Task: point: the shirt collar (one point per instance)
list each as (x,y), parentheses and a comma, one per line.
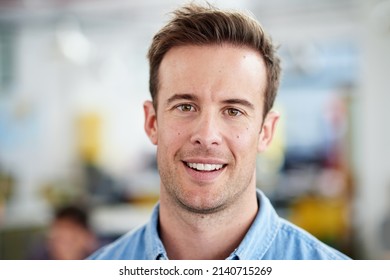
(154,248)
(261,233)
(254,245)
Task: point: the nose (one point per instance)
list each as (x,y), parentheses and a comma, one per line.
(206,131)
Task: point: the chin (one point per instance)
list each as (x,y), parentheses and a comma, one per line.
(202,205)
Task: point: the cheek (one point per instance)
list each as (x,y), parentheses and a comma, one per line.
(243,132)
(244,141)
(172,136)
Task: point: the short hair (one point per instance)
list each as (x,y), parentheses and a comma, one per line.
(73,213)
(206,25)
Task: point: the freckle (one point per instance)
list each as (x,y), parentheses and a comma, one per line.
(238,136)
(178,133)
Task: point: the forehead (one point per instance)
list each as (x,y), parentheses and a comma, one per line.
(212,68)
(194,56)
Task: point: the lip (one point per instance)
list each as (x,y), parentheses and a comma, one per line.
(203,177)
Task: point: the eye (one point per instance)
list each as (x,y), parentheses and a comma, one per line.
(185,107)
(233,112)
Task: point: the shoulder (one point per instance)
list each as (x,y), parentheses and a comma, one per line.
(130,246)
(296,243)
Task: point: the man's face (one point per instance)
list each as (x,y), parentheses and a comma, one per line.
(208,125)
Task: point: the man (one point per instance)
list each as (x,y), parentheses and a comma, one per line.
(213,79)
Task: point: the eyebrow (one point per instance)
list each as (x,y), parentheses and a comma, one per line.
(239,101)
(182,96)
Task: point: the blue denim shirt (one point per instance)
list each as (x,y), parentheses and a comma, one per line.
(269,238)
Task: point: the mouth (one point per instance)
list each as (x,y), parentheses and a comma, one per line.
(204,167)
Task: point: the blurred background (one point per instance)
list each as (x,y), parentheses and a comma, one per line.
(74,75)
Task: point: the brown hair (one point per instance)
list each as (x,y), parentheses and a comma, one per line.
(199,25)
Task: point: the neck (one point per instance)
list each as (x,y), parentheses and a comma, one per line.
(188,235)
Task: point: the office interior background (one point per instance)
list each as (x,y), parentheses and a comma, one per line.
(73,78)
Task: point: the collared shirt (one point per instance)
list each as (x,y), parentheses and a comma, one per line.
(270,237)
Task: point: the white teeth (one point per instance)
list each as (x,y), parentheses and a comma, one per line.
(205,167)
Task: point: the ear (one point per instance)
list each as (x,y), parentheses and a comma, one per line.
(268,130)
(150,125)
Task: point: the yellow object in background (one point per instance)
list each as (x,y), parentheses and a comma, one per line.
(89,127)
(325,218)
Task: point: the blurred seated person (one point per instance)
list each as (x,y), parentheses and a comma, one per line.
(69,236)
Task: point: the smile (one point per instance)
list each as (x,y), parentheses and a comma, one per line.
(204,166)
